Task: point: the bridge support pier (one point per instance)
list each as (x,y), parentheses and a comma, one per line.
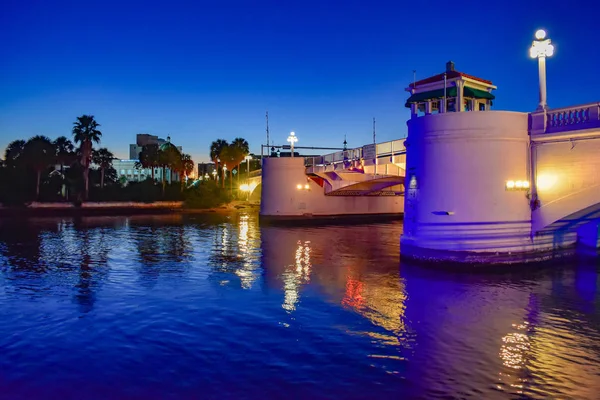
(588,235)
(459,206)
(289,193)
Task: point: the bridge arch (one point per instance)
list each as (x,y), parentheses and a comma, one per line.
(573,209)
(255,193)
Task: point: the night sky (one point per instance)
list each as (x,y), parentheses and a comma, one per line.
(199,71)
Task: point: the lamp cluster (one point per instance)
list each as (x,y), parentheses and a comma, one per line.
(541,47)
(302,187)
(517,185)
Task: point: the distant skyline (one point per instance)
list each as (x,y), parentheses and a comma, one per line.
(200,71)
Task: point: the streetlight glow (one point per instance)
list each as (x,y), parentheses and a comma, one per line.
(541,48)
(292,139)
(540,34)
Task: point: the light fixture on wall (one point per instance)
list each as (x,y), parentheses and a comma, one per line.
(517,185)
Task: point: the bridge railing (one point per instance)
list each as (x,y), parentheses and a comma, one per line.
(368,152)
(386,165)
(565,119)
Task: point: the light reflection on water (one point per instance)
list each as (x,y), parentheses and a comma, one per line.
(213,306)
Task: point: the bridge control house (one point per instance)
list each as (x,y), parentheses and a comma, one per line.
(461,92)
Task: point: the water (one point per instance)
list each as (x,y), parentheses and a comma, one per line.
(220,307)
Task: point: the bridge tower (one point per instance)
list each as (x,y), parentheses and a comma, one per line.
(467,173)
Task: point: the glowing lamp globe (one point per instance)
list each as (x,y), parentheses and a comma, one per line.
(540,34)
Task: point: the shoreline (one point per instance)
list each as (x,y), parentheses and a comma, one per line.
(118,208)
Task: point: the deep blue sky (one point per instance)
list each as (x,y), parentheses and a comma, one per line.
(204,70)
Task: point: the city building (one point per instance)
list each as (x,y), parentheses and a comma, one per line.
(143,139)
(206,169)
(126,169)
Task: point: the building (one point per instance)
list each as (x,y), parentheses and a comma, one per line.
(143,139)
(461,91)
(126,169)
(206,169)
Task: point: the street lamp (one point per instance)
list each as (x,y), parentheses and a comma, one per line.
(540,49)
(214,174)
(248,158)
(292,139)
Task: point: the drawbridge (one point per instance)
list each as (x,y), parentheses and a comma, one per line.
(371,170)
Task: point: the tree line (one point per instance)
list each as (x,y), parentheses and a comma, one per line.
(62,168)
(228,156)
(74,169)
(39,155)
(165,157)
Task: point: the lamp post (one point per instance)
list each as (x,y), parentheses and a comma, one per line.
(248,158)
(540,49)
(214,174)
(292,139)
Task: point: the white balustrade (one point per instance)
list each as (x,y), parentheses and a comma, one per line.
(566,119)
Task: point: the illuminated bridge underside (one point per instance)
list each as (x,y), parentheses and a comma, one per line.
(291,190)
(349,183)
(358,184)
(363,193)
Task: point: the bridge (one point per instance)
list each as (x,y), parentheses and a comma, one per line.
(370,170)
(500,186)
(565,158)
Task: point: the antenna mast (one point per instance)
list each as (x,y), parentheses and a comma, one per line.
(267,117)
(374,131)
(414,78)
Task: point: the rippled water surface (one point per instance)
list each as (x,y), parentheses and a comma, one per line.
(221,307)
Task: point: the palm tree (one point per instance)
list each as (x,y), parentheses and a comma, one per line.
(149,158)
(102,158)
(64,151)
(242,149)
(228,156)
(185,166)
(13,153)
(216,148)
(85,131)
(168,157)
(39,153)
